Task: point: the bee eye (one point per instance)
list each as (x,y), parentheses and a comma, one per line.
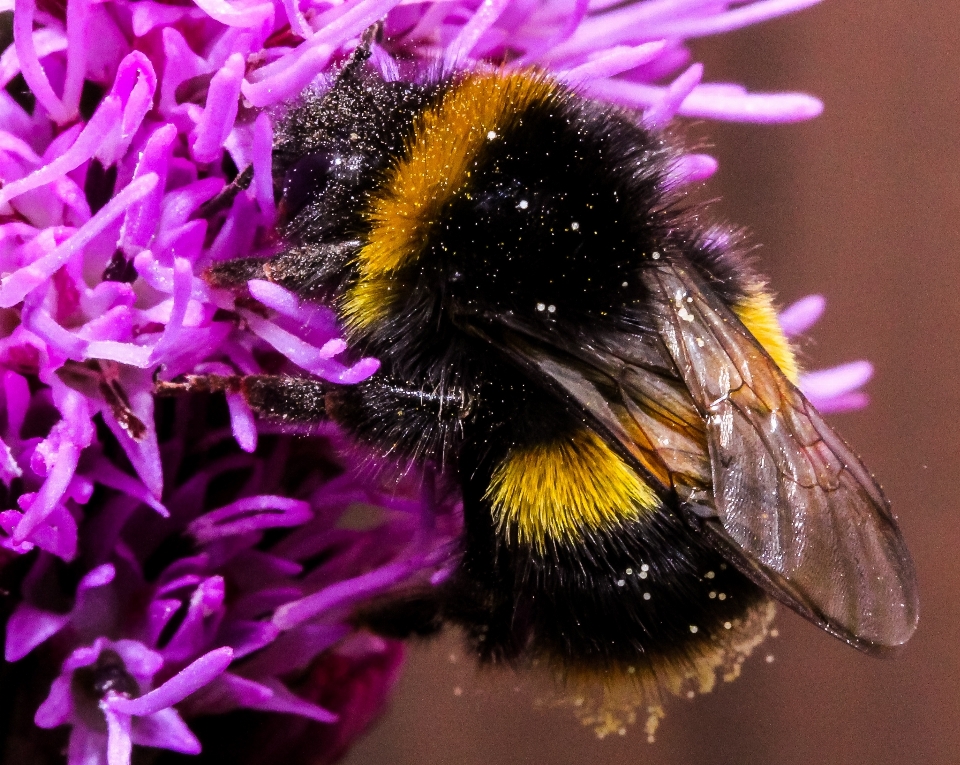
(306,180)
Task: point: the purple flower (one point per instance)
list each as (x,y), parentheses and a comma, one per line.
(831,390)
(174,560)
(104,694)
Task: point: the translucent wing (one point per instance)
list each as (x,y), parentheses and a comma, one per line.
(791,501)
(627,388)
(708,417)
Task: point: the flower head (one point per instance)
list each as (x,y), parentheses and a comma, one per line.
(183,556)
(103,693)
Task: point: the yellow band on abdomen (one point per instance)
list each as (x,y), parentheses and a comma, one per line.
(760,317)
(557,490)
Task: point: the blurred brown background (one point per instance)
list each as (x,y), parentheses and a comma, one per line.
(862,205)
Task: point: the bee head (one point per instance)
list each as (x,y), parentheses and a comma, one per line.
(331,148)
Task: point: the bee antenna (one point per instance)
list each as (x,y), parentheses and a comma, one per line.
(361,54)
(372,34)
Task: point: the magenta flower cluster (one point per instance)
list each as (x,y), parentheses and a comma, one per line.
(175,559)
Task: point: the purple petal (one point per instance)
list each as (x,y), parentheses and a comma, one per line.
(108,474)
(693,168)
(57,534)
(666,107)
(283,301)
(752,107)
(221,110)
(28,627)
(140,661)
(177,688)
(282,700)
(271,90)
(84,656)
(14,287)
(800,316)
(847,402)
(123,353)
(164,730)
(140,220)
(30,65)
(204,614)
(292,614)
(242,422)
(115,324)
(315,360)
(245,637)
(836,381)
(87,747)
(106,117)
(238,16)
(250,514)
(143,454)
(468,37)
(713,103)
(97,577)
(50,493)
(78,19)
(174,578)
(119,746)
(293,651)
(715,23)
(134,87)
(57,707)
(619,59)
(229,691)
(182,289)
(263,164)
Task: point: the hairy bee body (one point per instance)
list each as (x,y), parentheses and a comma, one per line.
(559,337)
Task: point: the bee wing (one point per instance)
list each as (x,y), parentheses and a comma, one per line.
(792,504)
(627,389)
(707,416)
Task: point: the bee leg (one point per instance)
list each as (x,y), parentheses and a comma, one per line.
(234,274)
(224,199)
(415,614)
(300,269)
(294,400)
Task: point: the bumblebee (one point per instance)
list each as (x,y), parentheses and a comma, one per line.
(599,372)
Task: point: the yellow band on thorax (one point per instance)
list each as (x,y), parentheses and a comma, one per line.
(435,167)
